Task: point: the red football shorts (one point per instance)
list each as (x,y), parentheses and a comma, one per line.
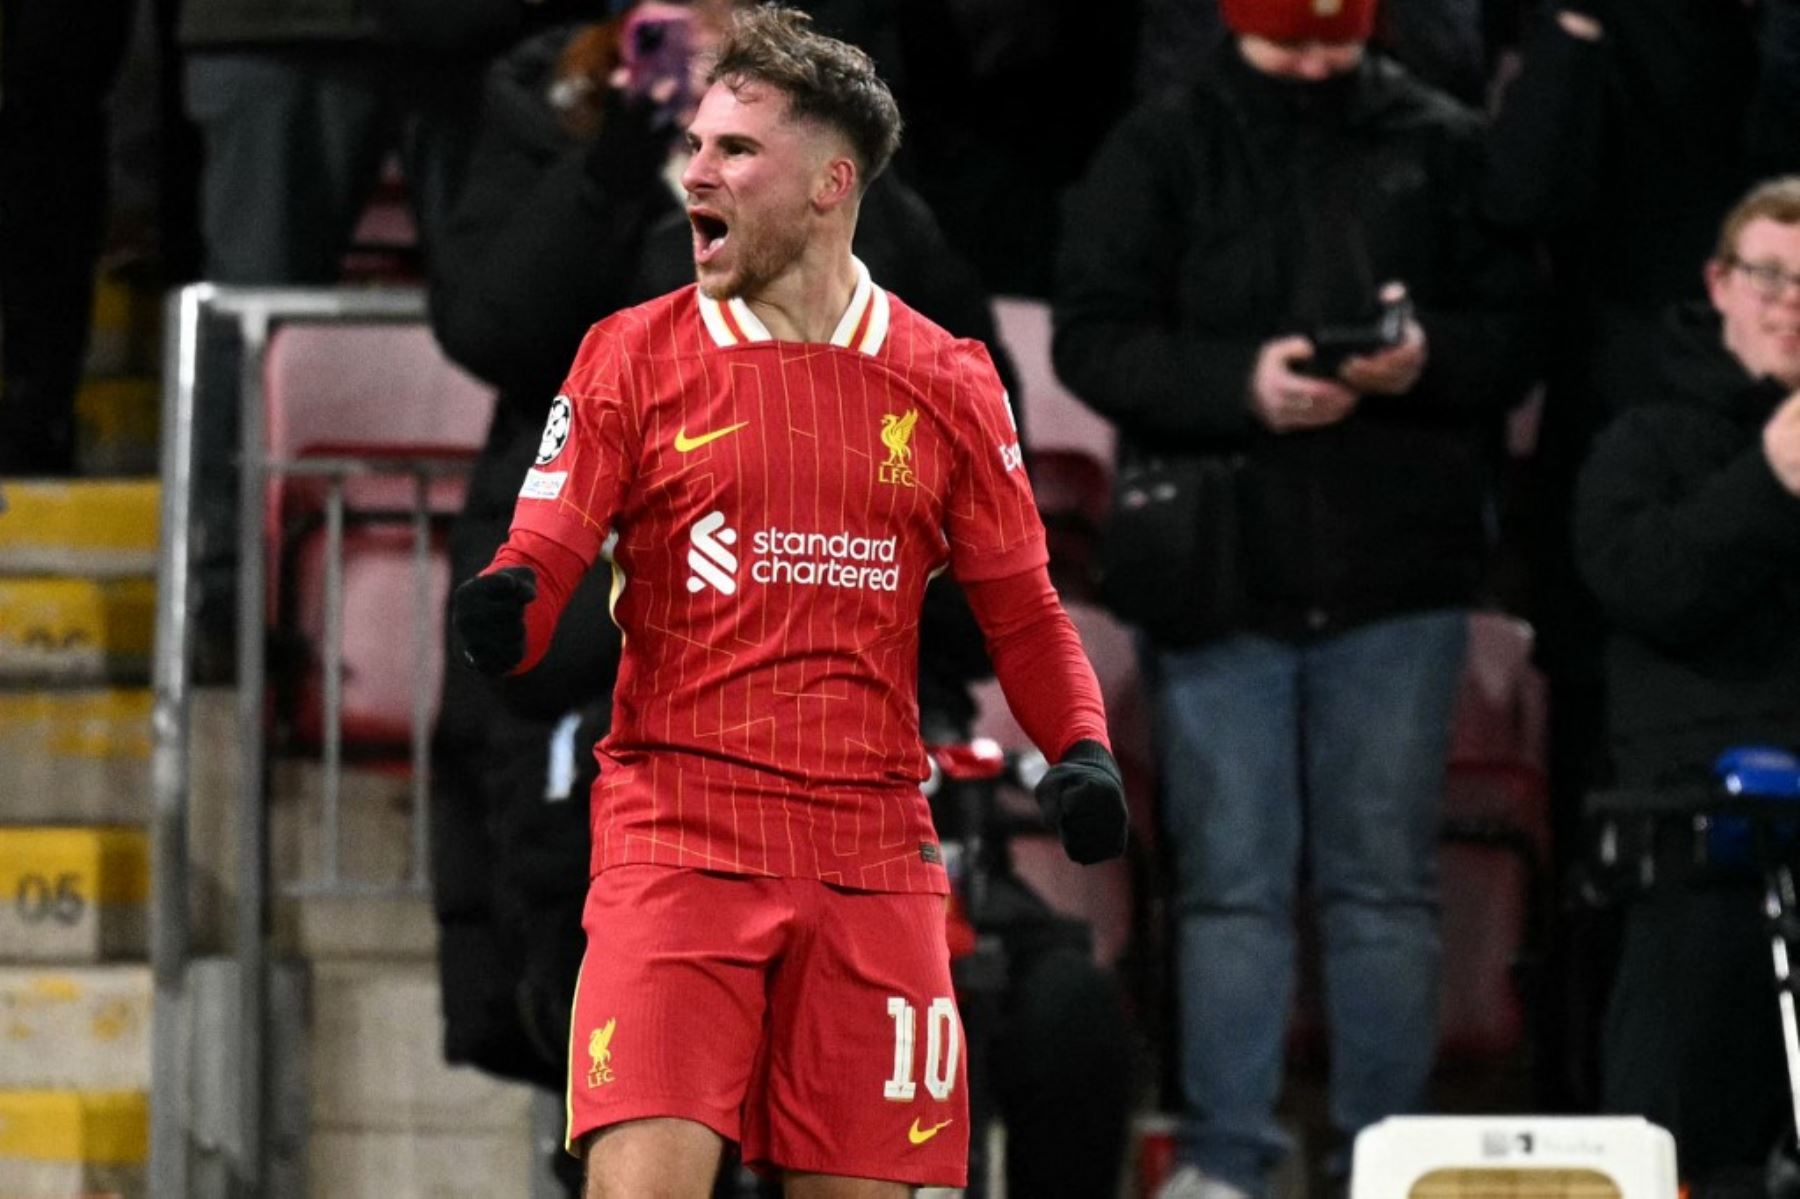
(816,1025)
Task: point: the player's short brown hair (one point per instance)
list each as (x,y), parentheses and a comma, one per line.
(824,79)
(1777,199)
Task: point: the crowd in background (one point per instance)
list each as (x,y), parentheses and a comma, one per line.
(1529,194)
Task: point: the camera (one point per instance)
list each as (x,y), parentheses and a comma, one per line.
(1334,342)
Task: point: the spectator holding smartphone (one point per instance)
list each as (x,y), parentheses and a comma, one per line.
(1300,183)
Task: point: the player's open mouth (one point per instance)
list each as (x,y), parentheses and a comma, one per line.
(710,232)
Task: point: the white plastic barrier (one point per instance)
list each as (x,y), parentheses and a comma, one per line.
(1521,1157)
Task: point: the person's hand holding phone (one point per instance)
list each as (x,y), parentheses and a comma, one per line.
(1285,400)
(1394,371)
(658,59)
(1781,443)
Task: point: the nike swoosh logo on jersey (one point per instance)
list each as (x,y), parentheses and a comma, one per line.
(919,1136)
(687,445)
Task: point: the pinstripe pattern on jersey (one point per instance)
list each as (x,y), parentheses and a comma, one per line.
(773,728)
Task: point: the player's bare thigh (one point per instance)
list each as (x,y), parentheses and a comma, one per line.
(652,1159)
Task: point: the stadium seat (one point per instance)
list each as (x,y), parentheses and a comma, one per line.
(1101,895)
(376,387)
(364,392)
(384,247)
(1069,449)
(1502,706)
(1072,496)
(1053,418)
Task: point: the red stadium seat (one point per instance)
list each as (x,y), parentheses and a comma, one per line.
(378,655)
(384,247)
(362,391)
(1502,707)
(1072,493)
(1101,895)
(1052,417)
(375,386)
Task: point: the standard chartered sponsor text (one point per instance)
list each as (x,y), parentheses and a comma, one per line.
(825,560)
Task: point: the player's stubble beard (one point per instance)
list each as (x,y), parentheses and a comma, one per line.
(764,248)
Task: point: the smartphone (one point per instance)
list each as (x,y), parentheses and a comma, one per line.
(656,50)
(1333,344)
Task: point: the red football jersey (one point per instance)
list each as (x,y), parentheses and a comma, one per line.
(772,511)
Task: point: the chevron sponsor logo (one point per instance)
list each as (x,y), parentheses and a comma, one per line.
(710,556)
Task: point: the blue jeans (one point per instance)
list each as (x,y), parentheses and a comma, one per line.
(1337,748)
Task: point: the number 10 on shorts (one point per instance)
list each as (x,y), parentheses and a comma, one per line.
(943,1045)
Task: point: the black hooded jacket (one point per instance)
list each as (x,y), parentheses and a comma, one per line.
(1250,208)
(1693,549)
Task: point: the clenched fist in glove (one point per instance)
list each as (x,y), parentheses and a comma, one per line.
(488,614)
(1083,798)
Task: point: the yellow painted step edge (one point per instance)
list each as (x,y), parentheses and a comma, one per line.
(113,862)
(87,723)
(48,616)
(103,1128)
(113,514)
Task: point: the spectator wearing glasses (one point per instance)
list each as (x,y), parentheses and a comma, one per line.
(1630,130)
(1687,530)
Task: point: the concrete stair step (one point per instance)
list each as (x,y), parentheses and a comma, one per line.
(57,1144)
(73,894)
(82,756)
(118,421)
(327,928)
(361,1164)
(75,756)
(374,836)
(363,1102)
(97,528)
(76,630)
(84,1029)
(377,1059)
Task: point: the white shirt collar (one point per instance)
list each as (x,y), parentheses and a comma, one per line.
(863,326)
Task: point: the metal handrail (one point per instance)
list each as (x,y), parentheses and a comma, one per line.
(256,313)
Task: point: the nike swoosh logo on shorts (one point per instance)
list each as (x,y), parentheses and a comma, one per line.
(687,445)
(919,1136)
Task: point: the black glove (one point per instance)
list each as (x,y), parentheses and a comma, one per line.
(1083,798)
(488,614)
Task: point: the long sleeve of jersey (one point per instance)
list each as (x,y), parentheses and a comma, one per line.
(558,570)
(1039,660)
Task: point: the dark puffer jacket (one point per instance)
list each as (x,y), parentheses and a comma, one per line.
(1250,208)
(1693,549)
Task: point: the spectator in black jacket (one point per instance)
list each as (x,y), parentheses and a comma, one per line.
(1687,528)
(1633,125)
(1219,229)
(1631,128)
(569,214)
